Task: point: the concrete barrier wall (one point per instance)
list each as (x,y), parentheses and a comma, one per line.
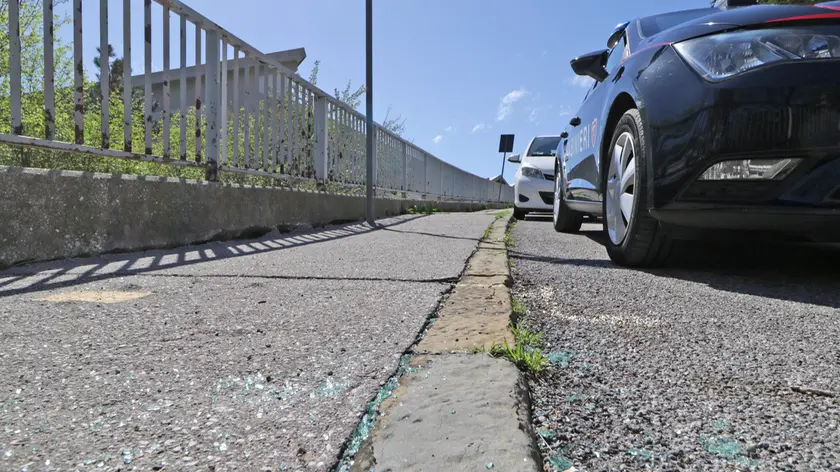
(59,214)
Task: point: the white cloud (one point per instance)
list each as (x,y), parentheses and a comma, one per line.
(564,111)
(533,117)
(507,102)
(450,129)
(582,81)
(438,139)
(478,127)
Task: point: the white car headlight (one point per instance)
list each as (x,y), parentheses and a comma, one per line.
(721,56)
(532,172)
(751,169)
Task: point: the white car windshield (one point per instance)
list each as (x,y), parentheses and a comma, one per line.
(544,147)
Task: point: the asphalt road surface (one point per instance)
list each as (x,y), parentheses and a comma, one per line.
(250,355)
(693,367)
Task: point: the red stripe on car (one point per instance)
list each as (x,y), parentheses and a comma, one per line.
(820,16)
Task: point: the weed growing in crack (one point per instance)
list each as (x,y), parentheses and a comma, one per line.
(525,352)
(509,242)
(527,337)
(517,306)
(528,359)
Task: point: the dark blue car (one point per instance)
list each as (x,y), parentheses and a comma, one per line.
(718,121)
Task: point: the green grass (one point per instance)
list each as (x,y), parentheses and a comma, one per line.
(527,337)
(524,354)
(423,210)
(517,306)
(509,242)
(499,215)
(526,358)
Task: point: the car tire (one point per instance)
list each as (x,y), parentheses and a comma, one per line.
(564,218)
(519,213)
(633,237)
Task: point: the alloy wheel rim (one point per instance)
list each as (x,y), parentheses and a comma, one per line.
(621,188)
(556,206)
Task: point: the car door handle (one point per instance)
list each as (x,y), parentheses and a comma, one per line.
(618,74)
(566,158)
(575,121)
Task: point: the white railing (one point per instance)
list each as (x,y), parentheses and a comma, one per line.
(244,112)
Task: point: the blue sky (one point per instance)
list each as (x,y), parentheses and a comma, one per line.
(460,71)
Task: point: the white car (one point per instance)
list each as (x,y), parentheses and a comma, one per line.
(533,186)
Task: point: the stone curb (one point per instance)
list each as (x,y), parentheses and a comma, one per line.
(454,410)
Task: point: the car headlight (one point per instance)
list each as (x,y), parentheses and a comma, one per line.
(751,169)
(720,56)
(532,172)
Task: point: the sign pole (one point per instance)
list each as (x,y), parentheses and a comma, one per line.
(505,146)
(502,179)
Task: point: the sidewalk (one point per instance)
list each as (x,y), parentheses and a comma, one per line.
(256,355)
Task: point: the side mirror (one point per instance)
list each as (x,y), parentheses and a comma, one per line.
(593,64)
(515,159)
(564,135)
(616,35)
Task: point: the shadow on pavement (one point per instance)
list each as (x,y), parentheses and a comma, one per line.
(517,255)
(805,273)
(69,272)
(800,273)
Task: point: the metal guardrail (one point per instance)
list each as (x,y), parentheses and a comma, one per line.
(267,122)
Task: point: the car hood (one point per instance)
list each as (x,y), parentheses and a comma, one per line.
(543,163)
(721,20)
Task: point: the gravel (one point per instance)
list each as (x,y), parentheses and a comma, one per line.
(250,360)
(689,368)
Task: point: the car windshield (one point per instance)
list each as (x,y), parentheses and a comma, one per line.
(544,147)
(654,24)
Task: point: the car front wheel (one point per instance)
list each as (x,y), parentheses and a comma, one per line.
(519,214)
(565,219)
(633,237)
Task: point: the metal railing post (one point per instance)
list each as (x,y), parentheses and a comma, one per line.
(321,139)
(212,94)
(425,174)
(441,191)
(15,71)
(404,168)
(370,128)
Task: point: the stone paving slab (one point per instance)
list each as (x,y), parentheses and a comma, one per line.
(456,412)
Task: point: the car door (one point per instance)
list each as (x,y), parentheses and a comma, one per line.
(583,165)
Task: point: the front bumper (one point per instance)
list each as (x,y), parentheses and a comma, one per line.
(534,194)
(780,111)
(690,221)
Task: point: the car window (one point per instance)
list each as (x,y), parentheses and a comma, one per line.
(544,147)
(618,53)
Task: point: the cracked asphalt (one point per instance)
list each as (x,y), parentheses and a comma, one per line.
(689,368)
(247,355)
